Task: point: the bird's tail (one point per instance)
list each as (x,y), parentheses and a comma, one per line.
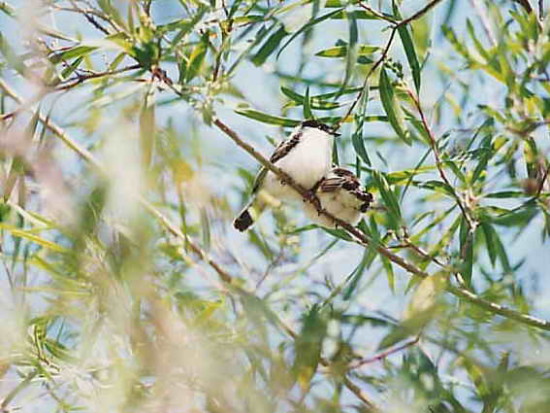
(245,218)
(243,221)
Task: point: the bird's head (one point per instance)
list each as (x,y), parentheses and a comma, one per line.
(315,124)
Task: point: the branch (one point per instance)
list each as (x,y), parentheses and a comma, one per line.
(224,275)
(385,354)
(395,27)
(363,240)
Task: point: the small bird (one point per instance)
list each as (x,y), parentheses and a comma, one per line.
(341,195)
(306,156)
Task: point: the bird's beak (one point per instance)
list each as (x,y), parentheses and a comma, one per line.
(335,134)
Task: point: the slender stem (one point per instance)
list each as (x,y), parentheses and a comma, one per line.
(176,231)
(386,353)
(362,239)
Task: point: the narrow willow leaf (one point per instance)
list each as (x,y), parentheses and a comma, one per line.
(72,53)
(467,240)
(341,51)
(147,130)
(392,108)
(196,59)
(410,51)
(308,114)
(315,102)
(386,263)
(359,146)
(308,345)
(265,118)
(389,198)
(351,53)
(30,236)
(269,46)
(308,26)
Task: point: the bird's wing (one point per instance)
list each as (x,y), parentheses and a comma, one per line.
(284,148)
(331,184)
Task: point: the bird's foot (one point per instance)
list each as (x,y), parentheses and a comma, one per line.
(311,197)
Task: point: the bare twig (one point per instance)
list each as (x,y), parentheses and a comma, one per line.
(395,26)
(435,149)
(383,355)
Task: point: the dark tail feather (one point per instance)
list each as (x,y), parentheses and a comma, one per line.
(243,221)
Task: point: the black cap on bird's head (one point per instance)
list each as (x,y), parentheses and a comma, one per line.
(312,123)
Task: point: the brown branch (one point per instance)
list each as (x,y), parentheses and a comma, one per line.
(419,13)
(365,82)
(381,356)
(83,78)
(363,240)
(395,27)
(439,164)
(224,275)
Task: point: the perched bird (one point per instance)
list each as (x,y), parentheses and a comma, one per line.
(306,156)
(341,195)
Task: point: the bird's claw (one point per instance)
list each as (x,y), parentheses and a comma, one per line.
(312,198)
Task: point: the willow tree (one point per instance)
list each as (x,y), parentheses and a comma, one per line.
(131,132)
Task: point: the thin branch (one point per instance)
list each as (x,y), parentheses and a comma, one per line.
(435,149)
(377,13)
(419,13)
(176,231)
(383,355)
(363,240)
(83,78)
(365,82)
(395,27)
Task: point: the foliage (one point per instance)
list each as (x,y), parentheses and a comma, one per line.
(124,286)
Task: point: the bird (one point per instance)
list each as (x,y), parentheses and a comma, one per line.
(306,156)
(341,195)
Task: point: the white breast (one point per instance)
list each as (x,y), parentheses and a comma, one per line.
(308,162)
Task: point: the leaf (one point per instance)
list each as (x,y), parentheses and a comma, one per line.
(308,26)
(359,146)
(196,59)
(392,108)
(30,236)
(351,54)
(265,118)
(308,114)
(341,51)
(315,102)
(77,51)
(389,199)
(308,345)
(269,46)
(410,51)
(467,240)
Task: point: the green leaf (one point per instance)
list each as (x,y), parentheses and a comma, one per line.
(351,55)
(467,240)
(265,118)
(389,198)
(315,102)
(196,59)
(359,146)
(30,236)
(308,26)
(74,52)
(308,114)
(269,46)
(392,108)
(341,51)
(410,51)
(308,345)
